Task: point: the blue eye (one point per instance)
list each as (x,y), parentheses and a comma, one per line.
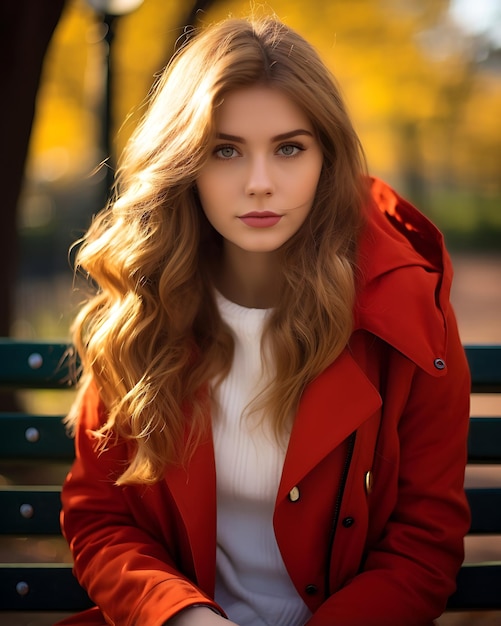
(290,150)
(225,152)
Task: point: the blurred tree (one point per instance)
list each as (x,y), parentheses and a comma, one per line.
(404,67)
(145,41)
(26,27)
(111,22)
(426,110)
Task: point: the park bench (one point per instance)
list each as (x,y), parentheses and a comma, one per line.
(30,442)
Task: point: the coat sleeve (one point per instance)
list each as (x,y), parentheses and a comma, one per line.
(130,576)
(410,569)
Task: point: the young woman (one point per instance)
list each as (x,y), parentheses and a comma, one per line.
(272,423)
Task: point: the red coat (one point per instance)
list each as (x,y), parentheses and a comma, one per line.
(377,454)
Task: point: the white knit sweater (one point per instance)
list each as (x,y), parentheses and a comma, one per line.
(252,583)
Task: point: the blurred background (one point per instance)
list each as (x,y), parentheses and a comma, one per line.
(422,79)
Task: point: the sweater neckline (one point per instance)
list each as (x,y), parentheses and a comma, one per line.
(234,308)
(243,321)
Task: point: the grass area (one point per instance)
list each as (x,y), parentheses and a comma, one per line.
(470,221)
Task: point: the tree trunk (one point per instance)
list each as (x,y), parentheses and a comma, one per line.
(26,27)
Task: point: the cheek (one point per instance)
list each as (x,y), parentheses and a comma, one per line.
(208,192)
(309,174)
(306,185)
(213,202)
(213,181)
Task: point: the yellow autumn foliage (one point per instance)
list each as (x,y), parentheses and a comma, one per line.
(417,98)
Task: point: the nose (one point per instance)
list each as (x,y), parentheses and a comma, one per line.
(259,179)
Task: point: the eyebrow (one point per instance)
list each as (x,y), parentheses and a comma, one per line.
(281,137)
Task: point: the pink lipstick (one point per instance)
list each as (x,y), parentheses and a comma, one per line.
(260,219)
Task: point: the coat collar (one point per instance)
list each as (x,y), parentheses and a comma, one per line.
(405,279)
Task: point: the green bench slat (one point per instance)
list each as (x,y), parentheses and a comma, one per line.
(52,585)
(485,504)
(52,369)
(38,365)
(484,440)
(45,506)
(34,437)
(48,585)
(485,366)
(50,441)
(30,510)
(478,587)
(40,587)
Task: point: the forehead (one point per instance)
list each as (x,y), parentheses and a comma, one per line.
(262,108)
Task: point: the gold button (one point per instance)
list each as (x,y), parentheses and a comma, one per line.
(369,480)
(294,494)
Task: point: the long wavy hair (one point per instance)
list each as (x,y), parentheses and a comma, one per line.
(150,336)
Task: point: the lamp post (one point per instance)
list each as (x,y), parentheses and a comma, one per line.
(109,11)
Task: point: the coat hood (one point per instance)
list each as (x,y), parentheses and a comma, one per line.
(405,276)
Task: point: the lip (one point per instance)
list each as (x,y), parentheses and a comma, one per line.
(260,219)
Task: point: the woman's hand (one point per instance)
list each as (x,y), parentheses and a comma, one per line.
(198,616)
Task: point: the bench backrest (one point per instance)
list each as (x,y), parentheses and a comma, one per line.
(35,454)
(31,444)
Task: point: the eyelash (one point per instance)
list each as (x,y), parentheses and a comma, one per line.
(299,147)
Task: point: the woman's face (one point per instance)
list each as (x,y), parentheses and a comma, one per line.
(259,182)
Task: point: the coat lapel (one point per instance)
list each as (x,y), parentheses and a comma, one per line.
(334,405)
(193,488)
